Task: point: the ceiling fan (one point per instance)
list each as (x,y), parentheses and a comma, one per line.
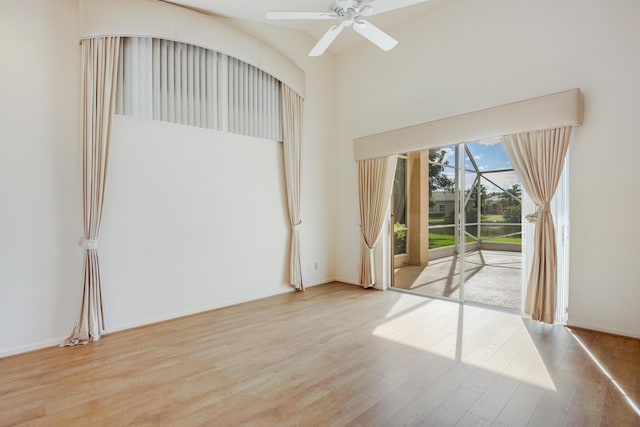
(349,13)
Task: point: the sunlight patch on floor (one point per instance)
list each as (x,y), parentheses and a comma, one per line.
(493,341)
(406,303)
(606,373)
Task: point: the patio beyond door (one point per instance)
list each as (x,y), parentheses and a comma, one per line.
(457,225)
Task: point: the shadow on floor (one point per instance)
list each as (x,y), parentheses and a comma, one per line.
(491,277)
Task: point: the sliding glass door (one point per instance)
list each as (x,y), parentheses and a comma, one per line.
(461,232)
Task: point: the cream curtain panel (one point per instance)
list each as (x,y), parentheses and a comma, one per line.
(99,74)
(538,158)
(375,180)
(292,105)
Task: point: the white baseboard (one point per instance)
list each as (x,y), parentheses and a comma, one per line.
(319,282)
(601,329)
(205,308)
(348,281)
(149,321)
(192,311)
(54,342)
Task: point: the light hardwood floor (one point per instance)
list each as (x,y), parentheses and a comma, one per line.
(333,355)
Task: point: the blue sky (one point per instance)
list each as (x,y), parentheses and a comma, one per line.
(489,155)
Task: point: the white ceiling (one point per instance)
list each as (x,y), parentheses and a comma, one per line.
(253,10)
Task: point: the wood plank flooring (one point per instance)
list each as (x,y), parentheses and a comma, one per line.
(333,355)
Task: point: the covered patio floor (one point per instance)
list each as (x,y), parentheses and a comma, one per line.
(491,277)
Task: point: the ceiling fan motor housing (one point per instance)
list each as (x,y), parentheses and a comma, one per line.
(346,16)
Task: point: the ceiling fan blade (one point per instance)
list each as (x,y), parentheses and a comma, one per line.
(300,15)
(381,6)
(374,34)
(326,40)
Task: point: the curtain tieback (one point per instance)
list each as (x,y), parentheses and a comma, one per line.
(534,216)
(371,263)
(89,243)
(371,249)
(297,225)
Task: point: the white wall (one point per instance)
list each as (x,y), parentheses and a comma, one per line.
(194,219)
(40,175)
(465,55)
(318,231)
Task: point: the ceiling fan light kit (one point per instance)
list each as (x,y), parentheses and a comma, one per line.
(349,13)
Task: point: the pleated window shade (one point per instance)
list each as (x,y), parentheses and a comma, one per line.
(189,85)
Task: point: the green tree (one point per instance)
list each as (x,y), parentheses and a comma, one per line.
(471,210)
(484,197)
(512,209)
(438,181)
(514,191)
(400,192)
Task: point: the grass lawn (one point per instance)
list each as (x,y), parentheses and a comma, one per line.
(485,218)
(436,220)
(505,239)
(492,218)
(441,240)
